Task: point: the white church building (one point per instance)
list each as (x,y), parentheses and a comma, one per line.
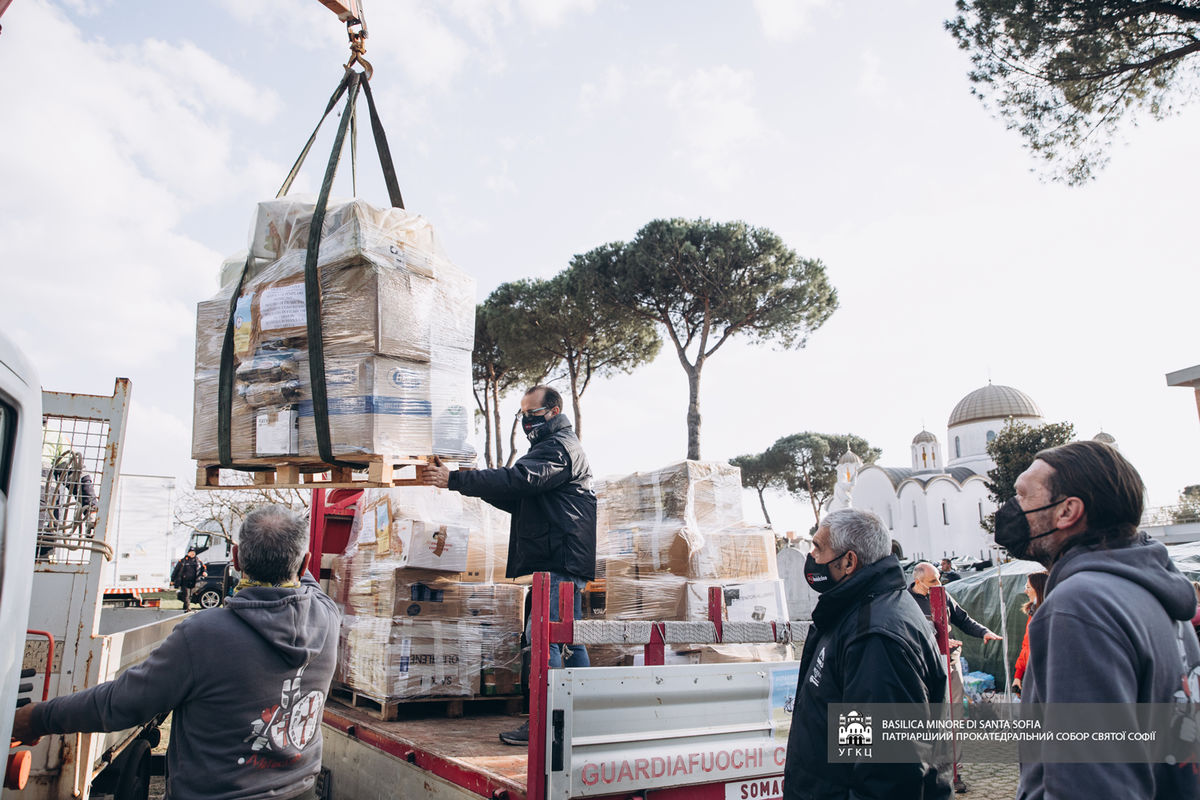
(933,507)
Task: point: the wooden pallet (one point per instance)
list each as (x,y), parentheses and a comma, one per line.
(453,707)
(379,474)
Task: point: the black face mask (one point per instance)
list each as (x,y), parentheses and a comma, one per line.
(531,422)
(817,575)
(1012,527)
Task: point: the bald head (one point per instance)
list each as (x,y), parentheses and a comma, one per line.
(926,572)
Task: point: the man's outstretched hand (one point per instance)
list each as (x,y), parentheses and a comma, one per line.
(436,474)
(22,729)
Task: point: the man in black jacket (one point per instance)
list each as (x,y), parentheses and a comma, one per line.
(869,643)
(925,576)
(548,492)
(189,571)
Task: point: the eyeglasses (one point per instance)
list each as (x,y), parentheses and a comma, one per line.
(520,414)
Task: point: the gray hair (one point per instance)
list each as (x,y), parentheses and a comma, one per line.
(272,544)
(860,532)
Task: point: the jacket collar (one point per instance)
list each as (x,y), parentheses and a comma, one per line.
(550,427)
(885,575)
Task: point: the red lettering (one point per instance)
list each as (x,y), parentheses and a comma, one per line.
(590,774)
(677,766)
(625,770)
(737,756)
(693,760)
(711,761)
(724,754)
(745,792)
(754,758)
(604,774)
(641,768)
(780,756)
(658,767)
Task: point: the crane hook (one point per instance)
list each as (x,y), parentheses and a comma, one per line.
(358,43)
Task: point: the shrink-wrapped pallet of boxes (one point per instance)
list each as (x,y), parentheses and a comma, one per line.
(397,321)
(424,615)
(666,536)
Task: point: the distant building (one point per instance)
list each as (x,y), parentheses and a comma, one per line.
(933,507)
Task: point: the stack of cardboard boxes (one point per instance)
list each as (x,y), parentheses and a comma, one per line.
(398,329)
(427,612)
(666,536)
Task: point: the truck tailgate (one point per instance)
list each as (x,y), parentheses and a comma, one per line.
(466,751)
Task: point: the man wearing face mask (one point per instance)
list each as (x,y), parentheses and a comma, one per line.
(1115,623)
(868,643)
(548,492)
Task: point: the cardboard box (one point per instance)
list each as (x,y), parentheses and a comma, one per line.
(746,552)
(501,605)
(744,653)
(418,543)
(757,601)
(635,593)
(701,494)
(388,659)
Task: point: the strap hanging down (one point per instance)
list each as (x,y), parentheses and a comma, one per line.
(350,84)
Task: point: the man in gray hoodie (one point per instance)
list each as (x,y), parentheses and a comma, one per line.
(246,683)
(1114,627)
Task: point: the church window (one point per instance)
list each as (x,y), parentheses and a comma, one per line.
(991,435)
(891,525)
(981,511)
(914,505)
(957,448)
(945,514)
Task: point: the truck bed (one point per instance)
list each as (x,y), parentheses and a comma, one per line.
(465,752)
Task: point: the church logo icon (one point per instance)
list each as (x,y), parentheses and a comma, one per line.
(854,729)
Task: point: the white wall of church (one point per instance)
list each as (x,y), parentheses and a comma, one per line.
(916,519)
(966,445)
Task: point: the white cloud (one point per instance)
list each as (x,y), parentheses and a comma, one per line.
(87,8)
(870,78)
(552,13)
(98,176)
(606,93)
(717,119)
(784,20)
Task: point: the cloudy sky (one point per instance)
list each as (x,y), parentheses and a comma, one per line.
(137,138)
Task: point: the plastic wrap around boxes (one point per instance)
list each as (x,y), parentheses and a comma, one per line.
(422,617)
(398,329)
(666,536)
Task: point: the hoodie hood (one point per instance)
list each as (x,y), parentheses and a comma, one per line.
(290,620)
(1143,561)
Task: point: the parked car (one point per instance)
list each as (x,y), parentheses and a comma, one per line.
(211,592)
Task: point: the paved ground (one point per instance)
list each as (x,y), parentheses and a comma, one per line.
(990,781)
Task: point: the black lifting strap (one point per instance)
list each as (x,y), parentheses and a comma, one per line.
(349,85)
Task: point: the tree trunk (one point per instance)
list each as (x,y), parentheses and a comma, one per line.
(487,428)
(512,444)
(496,416)
(573,371)
(763,502)
(693,413)
(812,497)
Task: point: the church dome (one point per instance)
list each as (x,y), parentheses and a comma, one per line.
(993,402)
(850,457)
(923,437)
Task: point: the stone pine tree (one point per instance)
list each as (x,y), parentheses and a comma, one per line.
(1188,509)
(500,365)
(760,472)
(563,321)
(811,463)
(703,282)
(1065,74)
(1013,450)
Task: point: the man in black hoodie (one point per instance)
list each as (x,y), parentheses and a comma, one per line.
(1114,627)
(246,683)
(869,643)
(548,492)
